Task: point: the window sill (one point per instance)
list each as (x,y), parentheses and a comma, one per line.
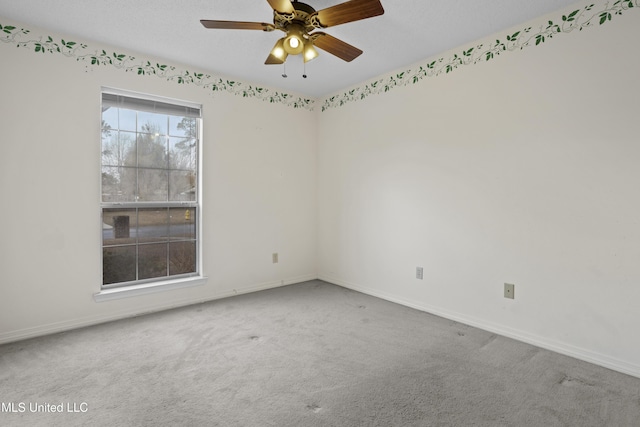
(147,288)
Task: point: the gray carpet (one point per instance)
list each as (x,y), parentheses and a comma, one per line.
(311,354)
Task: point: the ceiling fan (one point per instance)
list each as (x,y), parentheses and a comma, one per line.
(297,20)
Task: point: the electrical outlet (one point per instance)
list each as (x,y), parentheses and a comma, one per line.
(274,257)
(509,290)
(419,273)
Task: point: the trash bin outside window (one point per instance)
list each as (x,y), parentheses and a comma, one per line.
(121,227)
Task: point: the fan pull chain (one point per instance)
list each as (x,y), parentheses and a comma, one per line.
(284,70)
(304,72)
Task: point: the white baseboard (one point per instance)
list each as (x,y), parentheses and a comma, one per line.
(265,285)
(67,325)
(542,342)
(538,341)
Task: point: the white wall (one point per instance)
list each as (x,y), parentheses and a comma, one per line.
(259,193)
(523,169)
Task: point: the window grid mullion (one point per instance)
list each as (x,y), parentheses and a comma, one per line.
(137,244)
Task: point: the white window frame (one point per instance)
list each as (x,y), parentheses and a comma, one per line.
(144,286)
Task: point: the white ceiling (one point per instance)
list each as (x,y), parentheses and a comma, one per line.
(408,32)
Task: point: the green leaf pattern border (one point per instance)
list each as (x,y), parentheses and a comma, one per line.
(578,19)
(129,63)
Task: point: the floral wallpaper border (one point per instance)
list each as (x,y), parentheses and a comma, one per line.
(578,19)
(101,58)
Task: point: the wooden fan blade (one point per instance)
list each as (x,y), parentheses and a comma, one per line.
(335,46)
(282,6)
(353,10)
(236,25)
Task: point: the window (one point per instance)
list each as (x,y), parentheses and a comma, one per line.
(150,206)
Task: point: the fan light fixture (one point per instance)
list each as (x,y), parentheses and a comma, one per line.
(279,51)
(294,41)
(309,52)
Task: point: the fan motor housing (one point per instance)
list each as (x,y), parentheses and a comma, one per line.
(303,7)
(300,16)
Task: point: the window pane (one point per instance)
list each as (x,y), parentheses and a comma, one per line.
(110,184)
(126,150)
(182,153)
(127,119)
(118,226)
(183,127)
(118,148)
(182,223)
(182,186)
(152,261)
(182,258)
(118,264)
(153,225)
(152,151)
(152,123)
(109,119)
(152,185)
(118,184)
